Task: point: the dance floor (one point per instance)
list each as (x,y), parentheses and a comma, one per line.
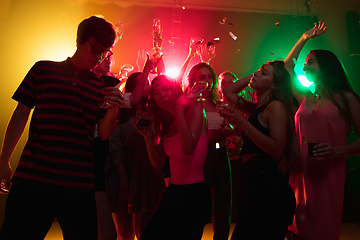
(349,231)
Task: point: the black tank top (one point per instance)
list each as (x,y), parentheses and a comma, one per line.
(248,145)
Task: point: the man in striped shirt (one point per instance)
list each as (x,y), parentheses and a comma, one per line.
(55,175)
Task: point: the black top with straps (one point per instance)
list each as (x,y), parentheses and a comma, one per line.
(248,145)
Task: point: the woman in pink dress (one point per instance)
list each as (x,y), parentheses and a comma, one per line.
(322,123)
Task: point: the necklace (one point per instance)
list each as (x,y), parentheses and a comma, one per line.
(317,98)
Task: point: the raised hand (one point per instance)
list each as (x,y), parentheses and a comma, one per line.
(140,60)
(316,31)
(195,45)
(156,59)
(207,53)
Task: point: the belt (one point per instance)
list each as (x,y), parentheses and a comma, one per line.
(217,144)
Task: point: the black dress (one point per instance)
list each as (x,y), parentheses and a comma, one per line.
(270,201)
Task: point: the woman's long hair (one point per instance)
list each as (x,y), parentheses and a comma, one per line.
(124,114)
(162,119)
(282,91)
(335,80)
(214,91)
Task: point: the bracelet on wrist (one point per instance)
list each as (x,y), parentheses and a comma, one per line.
(248,130)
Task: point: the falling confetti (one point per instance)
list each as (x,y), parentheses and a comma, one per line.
(213,42)
(171,42)
(223,22)
(277,22)
(232,35)
(271,53)
(354,54)
(238,51)
(216,40)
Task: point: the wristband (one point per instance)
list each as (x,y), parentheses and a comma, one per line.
(248,130)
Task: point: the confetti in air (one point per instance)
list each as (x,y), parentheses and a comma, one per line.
(213,42)
(223,22)
(277,22)
(211,45)
(232,35)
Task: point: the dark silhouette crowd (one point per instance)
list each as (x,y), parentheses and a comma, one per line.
(161,158)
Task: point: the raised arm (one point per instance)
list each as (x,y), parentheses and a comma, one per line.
(231,93)
(192,53)
(135,97)
(316,31)
(13,133)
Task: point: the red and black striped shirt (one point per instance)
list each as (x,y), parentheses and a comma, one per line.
(58,153)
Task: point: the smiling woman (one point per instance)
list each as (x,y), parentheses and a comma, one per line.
(181,134)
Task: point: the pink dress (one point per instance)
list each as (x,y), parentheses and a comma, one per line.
(319,189)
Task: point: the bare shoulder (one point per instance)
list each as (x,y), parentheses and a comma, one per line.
(276,106)
(354,106)
(353,101)
(276,111)
(351,97)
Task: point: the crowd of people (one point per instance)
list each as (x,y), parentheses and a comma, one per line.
(96,157)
